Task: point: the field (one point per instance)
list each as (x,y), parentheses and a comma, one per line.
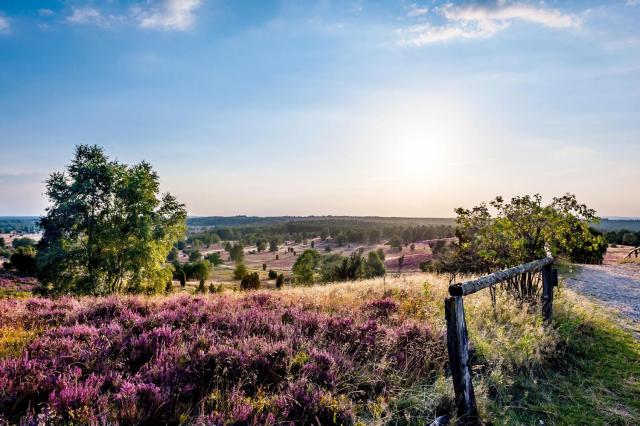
(223,274)
(371,351)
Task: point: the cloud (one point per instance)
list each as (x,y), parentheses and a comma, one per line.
(45,12)
(632,2)
(415,10)
(172,15)
(4,25)
(482,21)
(85,15)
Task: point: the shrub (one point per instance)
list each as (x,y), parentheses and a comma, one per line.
(272,274)
(240,271)
(280,281)
(201,288)
(250,282)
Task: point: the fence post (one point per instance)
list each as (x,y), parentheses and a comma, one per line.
(458,347)
(548,276)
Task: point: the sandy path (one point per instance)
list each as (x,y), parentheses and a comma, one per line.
(615,286)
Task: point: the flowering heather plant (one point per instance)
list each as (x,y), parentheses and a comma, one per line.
(251,359)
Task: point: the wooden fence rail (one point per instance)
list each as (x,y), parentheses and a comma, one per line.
(632,251)
(457,339)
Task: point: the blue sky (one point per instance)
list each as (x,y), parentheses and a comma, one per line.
(399,108)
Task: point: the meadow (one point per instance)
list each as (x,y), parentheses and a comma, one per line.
(366,352)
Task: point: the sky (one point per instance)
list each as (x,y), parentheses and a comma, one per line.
(390,108)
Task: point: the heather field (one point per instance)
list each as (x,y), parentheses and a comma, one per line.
(368,352)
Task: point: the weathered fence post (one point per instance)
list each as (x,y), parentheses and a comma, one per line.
(457,344)
(548,275)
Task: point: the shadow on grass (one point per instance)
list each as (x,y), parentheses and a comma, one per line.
(594,377)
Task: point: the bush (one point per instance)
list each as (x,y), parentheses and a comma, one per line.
(280,281)
(250,282)
(168,288)
(240,271)
(272,274)
(24,260)
(201,288)
(213,288)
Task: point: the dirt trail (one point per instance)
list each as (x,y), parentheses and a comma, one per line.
(612,284)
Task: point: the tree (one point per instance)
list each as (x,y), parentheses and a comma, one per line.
(349,268)
(201,288)
(3,244)
(107,229)
(173,255)
(202,269)
(395,242)
(22,242)
(324,234)
(374,266)
(521,231)
(183,279)
(374,236)
(250,282)
(313,243)
(273,246)
(23,259)
(279,281)
(237,252)
(272,274)
(195,256)
(304,267)
(214,258)
(630,239)
(228,246)
(381,254)
(261,245)
(400,262)
(240,271)
(168,288)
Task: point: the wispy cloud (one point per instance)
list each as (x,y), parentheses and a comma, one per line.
(171,15)
(415,10)
(85,15)
(482,20)
(5,26)
(45,12)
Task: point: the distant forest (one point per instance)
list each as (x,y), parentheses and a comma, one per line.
(344,229)
(25,224)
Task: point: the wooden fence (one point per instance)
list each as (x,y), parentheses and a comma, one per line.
(632,251)
(457,340)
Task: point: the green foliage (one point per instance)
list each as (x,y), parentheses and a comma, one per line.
(240,271)
(374,266)
(213,289)
(351,268)
(3,244)
(250,281)
(324,234)
(23,259)
(195,256)
(272,274)
(395,242)
(261,245)
(22,242)
(183,279)
(201,287)
(173,256)
(280,281)
(630,239)
(273,246)
(214,259)
(305,266)
(107,229)
(236,253)
(401,262)
(168,288)
(522,229)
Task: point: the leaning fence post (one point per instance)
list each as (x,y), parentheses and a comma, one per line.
(458,347)
(548,283)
